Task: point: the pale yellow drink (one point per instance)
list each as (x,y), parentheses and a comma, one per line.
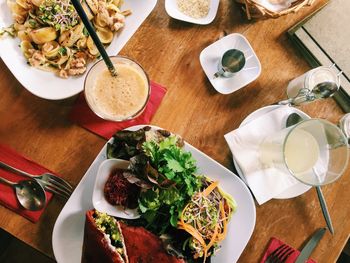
(118,97)
(301,151)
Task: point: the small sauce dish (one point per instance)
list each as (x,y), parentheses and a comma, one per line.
(99,200)
(173,11)
(211,56)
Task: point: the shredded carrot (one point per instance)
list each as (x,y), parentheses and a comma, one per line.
(193,232)
(222,235)
(210,188)
(219,233)
(213,238)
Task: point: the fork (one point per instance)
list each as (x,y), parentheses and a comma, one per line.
(50,182)
(280,254)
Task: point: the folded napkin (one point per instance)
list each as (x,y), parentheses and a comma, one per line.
(7,193)
(85,117)
(265,182)
(275,244)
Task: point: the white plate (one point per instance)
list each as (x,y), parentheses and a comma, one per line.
(210,58)
(46,84)
(173,11)
(298,188)
(98,198)
(67,237)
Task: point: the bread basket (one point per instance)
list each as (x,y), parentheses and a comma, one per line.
(254,8)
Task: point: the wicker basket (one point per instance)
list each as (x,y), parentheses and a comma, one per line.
(255,10)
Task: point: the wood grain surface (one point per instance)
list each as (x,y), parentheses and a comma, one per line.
(169,51)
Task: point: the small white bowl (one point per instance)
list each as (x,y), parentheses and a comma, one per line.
(98,198)
(210,58)
(173,11)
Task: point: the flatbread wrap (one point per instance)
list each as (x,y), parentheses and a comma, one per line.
(103,239)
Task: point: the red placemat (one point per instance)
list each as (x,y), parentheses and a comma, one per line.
(84,116)
(7,193)
(276,243)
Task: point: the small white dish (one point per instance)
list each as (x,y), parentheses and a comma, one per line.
(295,190)
(98,198)
(210,59)
(173,11)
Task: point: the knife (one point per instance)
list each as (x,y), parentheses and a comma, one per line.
(310,245)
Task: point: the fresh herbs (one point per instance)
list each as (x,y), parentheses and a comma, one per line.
(59,14)
(174,182)
(7,30)
(164,171)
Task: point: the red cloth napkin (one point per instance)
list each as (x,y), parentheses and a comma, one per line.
(7,193)
(274,244)
(83,115)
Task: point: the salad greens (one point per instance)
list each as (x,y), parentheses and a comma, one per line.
(163,205)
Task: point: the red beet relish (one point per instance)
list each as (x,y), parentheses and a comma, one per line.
(119,191)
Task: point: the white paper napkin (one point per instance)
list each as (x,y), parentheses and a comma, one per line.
(275,5)
(264,182)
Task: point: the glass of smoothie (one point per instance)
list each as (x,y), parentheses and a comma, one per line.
(117,98)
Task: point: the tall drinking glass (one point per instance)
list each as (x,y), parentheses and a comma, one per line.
(314,151)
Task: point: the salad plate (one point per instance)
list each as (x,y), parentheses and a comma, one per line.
(47,85)
(68,232)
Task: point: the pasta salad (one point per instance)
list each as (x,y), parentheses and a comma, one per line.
(53,38)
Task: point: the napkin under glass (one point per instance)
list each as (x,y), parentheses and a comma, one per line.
(84,116)
(244,142)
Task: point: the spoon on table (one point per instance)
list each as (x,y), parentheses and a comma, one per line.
(30,194)
(78,7)
(232,61)
(293,119)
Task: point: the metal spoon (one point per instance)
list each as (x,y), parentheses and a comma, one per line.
(325,90)
(30,193)
(293,119)
(232,61)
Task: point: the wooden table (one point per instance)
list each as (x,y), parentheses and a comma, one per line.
(169,51)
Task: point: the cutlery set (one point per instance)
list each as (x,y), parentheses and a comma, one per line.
(31,193)
(281,253)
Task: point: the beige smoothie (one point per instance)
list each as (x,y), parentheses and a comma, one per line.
(118,97)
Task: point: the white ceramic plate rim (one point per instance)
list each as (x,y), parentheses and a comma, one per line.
(98,198)
(173,11)
(47,85)
(67,237)
(298,188)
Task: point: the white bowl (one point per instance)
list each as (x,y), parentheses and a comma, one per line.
(173,11)
(98,198)
(210,58)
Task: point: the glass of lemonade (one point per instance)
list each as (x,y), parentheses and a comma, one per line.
(314,151)
(117,98)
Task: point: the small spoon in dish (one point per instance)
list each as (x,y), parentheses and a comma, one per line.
(30,194)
